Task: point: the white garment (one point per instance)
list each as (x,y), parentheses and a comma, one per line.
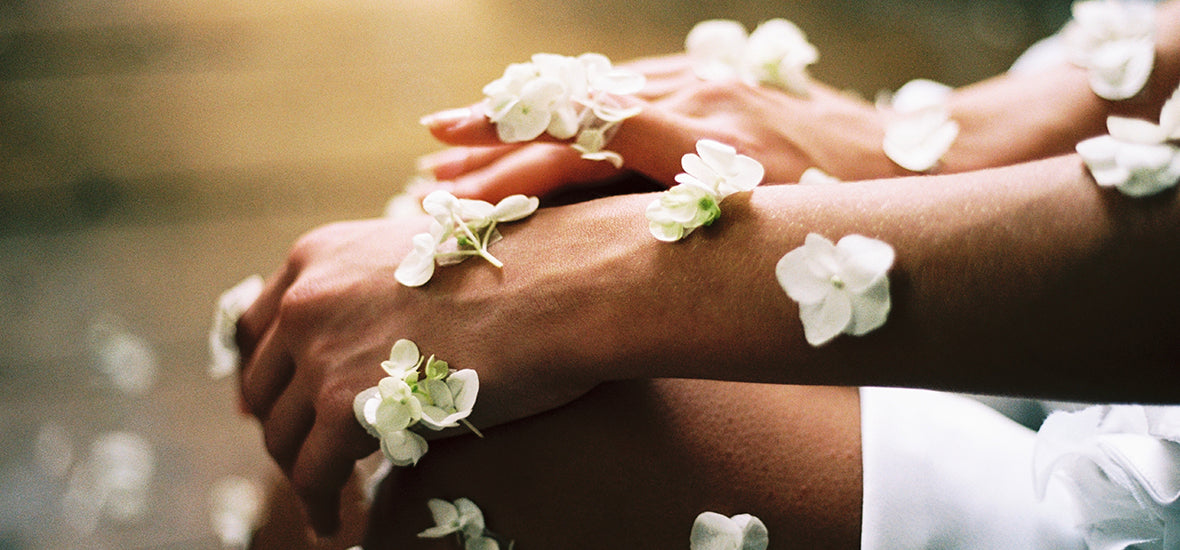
(945,471)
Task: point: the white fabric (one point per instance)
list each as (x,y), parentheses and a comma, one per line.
(945,471)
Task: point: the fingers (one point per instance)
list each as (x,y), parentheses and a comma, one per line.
(449,164)
(324,464)
(463,126)
(267,374)
(535,170)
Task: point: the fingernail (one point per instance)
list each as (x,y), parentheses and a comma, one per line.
(443,118)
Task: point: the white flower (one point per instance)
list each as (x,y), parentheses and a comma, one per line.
(777,53)
(564,97)
(1138,158)
(1115,41)
(462,516)
(235,510)
(398,402)
(921,131)
(449,401)
(715,49)
(841,288)
(472,223)
(1119,464)
(713,531)
(223,347)
(716,172)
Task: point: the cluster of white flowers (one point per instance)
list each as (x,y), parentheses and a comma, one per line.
(1119,465)
(472,225)
(223,348)
(715,172)
(920,130)
(566,97)
(841,288)
(463,519)
(1138,157)
(713,531)
(436,396)
(777,53)
(1114,40)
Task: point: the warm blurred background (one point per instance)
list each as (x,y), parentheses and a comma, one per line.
(155,152)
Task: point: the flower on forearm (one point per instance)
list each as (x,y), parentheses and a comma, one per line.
(713,531)
(840,288)
(715,172)
(1138,158)
(1114,40)
(565,97)
(223,347)
(921,130)
(438,398)
(777,53)
(472,225)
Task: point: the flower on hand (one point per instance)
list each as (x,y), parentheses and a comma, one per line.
(715,172)
(223,347)
(564,97)
(1138,158)
(472,225)
(921,130)
(777,53)
(840,288)
(416,390)
(713,531)
(463,519)
(1114,40)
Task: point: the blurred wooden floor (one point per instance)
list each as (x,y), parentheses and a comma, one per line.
(153,153)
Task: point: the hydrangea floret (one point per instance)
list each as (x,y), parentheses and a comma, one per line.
(461,228)
(816,176)
(566,97)
(1118,464)
(1137,157)
(713,173)
(463,519)
(1114,40)
(713,531)
(223,347)
(920,130)
(417,390)
(840,288)
(777,53)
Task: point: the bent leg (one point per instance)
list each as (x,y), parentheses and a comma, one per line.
(632,464)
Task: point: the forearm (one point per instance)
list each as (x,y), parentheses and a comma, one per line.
(1027,280)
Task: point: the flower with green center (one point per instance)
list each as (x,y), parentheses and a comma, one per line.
(840,288)
(713,531)
(716,172)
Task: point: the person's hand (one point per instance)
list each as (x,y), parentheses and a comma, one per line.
(327,319)
(833,131)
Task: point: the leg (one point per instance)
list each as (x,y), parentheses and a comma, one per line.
(632,464)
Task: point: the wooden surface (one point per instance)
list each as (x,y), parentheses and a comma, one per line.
(153,153)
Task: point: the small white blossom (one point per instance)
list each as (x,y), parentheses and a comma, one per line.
(777,53)
(715,172)
(1114,40)
(463,518)
(442,399)
(235,511)
(815,176)
(223,348)
(921,130)
(1138,158)
(713,531)
(471,223)
(840,288)
(564,97)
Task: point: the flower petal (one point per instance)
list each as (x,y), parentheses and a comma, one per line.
(799,280)
(1133,130)
(826,319)
(403,356)
(870,308)
(713,531)
(755,536)
(364,406)
(864,261)
(470,517)
(404,447)
(715,48)
(446,519)
(515,207)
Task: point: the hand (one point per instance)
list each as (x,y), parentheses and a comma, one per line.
(786,133)
(325,321)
